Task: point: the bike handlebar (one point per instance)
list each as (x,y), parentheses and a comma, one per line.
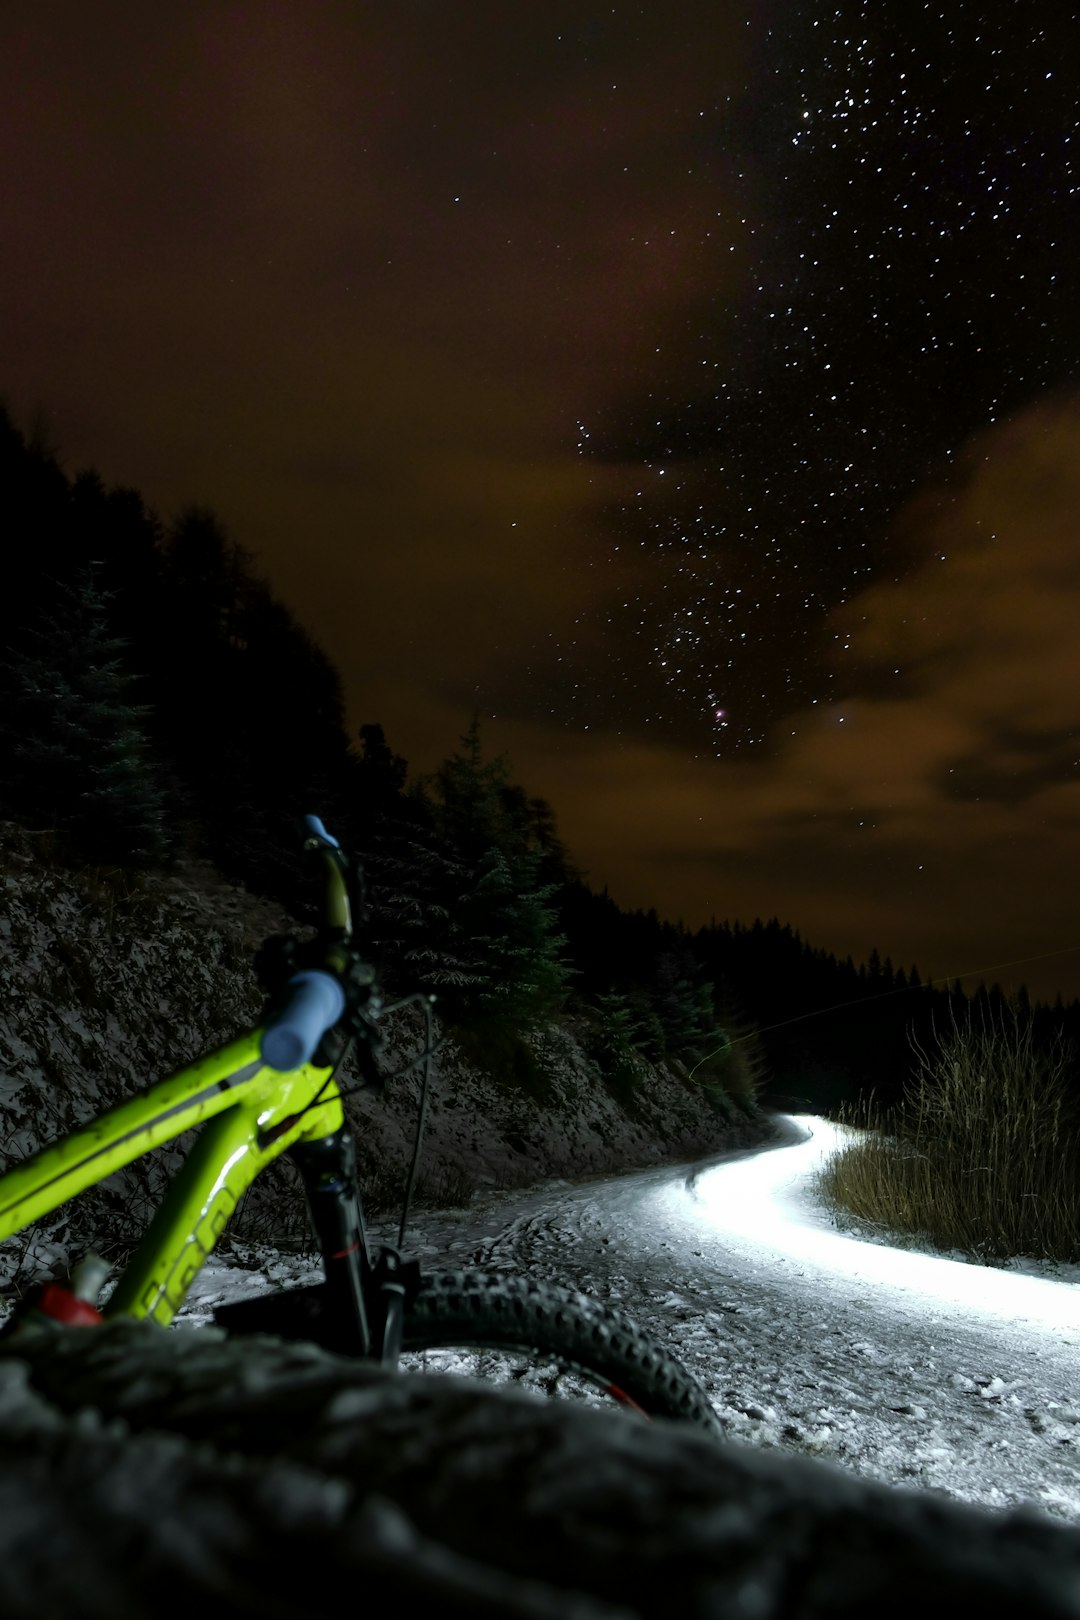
(316,1002)
(314,828)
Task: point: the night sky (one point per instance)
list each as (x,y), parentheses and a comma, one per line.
(690,388)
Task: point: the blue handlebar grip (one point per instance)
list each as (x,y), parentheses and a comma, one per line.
(317,830)
(316,1002)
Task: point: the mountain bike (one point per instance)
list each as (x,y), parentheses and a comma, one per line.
(277,1089)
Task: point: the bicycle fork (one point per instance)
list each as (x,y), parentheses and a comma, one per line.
(364,1302)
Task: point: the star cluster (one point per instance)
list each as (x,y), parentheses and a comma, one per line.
(906,220)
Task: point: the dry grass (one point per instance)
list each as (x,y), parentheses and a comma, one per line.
(983,1157)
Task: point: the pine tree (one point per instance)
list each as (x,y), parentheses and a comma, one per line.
(612,1046)
(514,932)
(504,907)
(74,743)
(646,1032)
(683,1000)
(741,1066)
(414,928)
(380,774)
(475,805)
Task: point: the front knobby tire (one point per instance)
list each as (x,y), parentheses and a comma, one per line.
(540,1324)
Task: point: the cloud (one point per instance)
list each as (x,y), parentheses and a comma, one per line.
(938,824)
(986,624)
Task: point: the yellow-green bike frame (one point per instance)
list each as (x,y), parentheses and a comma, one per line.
(250,1114)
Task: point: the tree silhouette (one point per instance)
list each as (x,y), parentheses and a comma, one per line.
(504,907)
(74,744)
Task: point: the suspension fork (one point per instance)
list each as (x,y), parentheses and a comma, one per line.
(328,1171)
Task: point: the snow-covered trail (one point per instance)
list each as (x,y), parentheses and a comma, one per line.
(904,1367)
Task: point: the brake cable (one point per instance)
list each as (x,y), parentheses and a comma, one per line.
(426,1002)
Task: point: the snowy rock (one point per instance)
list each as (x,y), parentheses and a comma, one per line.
(256,1477)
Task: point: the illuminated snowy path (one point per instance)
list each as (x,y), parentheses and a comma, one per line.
(905,1367)
(902,1367)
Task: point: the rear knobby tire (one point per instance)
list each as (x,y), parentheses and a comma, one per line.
(491,1311)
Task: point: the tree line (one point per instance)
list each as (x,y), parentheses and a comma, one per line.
(157,699)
